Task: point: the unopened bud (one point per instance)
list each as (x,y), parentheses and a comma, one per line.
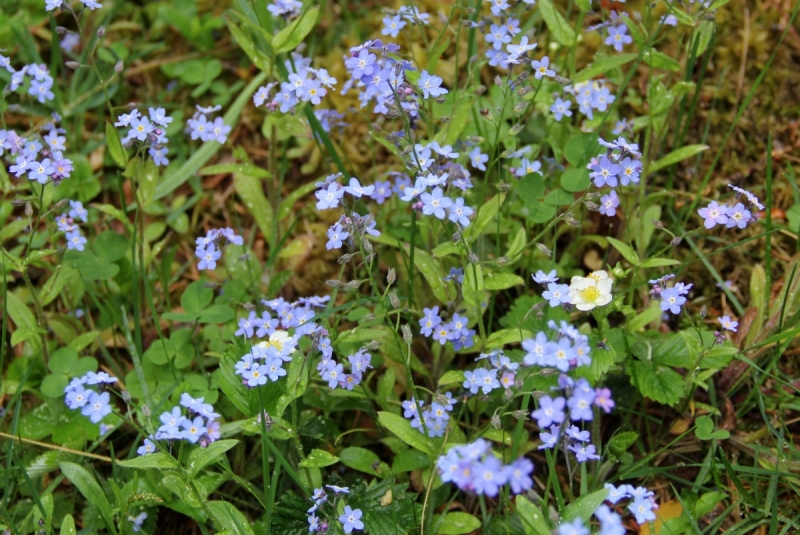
(369,258)
(249,306)
(524,90)
(658,224)
(101,31)
(126,396)
(406,333)
(367,245)
(372,345)
(508,394)
(502,261)
(441,100)
(118,67)
(60,203)
(244,257)
(562,80)
(546,372)
(593,206)
(473,258)
(368,317)
(676,241)
(18,202)
(496,422)
(210,285)
(444,120)
(498,81)
(72,64)
(456,236)
(60,30)
(571,221)
(395,302)
(41,522)
(334,283)
(516,129)
(146,411)
(391,276)
(481,90)
(519,107)
(28,209)
(345,258)
(352,285)
(475,139)
(704,311)
(487,113)
(544,250)
(503,186)
(520,415)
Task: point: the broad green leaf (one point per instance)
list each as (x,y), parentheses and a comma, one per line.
(433,57)
(603,65)
(286,208)
(659,262)
(659,60)
(517,245)
(110,246)
(217,314)
(53,385)
(230,518)
(659,383)
(115,148)
(759,297)
(635,31)
(585,506)
(409,460)
(625,250)
(502,281)
(486,213)
(246,43)
(708,502)
(676,156)
(451,377)
(620,443)
(146,181)
(557,24)
(533,520)
(503,337)
(24,333)
(643,318)
(252,193)
(57,281)
(360,459)
(67,526)
(151,460)
(290,37)
(177,178)
(91,490)
(89,266)
(318,459)
(456,523)
(82,341)
(202,457)
(116,213)
(462,113)
(231,168)
(401,427)
(432,270)
(584,5)
(575,180)
(447,248)
(196,297)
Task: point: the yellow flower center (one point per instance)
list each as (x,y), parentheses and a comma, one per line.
(590,294)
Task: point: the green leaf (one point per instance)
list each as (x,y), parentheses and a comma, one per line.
(401,427)
(91,490)
(486,213)
(584,5)
(676,156)
(451,377)
(706,430)
(151,460)
(506,336)
(502,281)
(217,314)
(659,383)
(410,460)
(230,518)
(146,181)
(202,457)
(231,168)
(643,318)
(659,60)
(290,37)
(115,148)
(110,246)
(89,266)
(625,250)
(432,270)
(67,526)
(177,178)
(250,190)
(318,459)
(286,208)
(360,459)
(433,57)
(456,523)
(533,520)
(447,248)
(659,262)
(620,443)
(575,180)
(245,42)
(82,341)
(196,297)
(53,385)
(558,25)
(708,502)
(603,65)
(585,506)
(635,31)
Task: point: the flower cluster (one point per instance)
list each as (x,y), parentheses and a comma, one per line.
(383,79)
(350,518)
(42,159)
(673,298)
(590,96)
(732,216)
(620,165)
(435,418)
(208,251)
(486,380)
(92,403)
(50,5)
(305,84)
(333,372)
(642,502)
(569,350)
(147,130)
(456,330)
(285,8)
(474,468)
(41,82)
(199,425)
(67,224)
(200,127)
(265,361)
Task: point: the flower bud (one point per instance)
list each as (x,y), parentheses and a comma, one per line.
(456,236)
(516,129)
(475,139)
(520,415)
(146,411)
(101,31)
(503,186)
(658,224)
(367,245)
(118,67)
(395,302)
(352,285)
(571,221)
(519,107)
(407,337)
(473,258)
(544,250)
(502,261)
(496,422)
(593,206)
(333,283)
(392,276)
(126,396)
(18,202)
(498,81)
(704,311)
(28,209)
(676,241)
(508,394)
(524,90)
(480,91)
(345,258)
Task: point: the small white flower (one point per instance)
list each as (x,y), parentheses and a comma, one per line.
(589,292)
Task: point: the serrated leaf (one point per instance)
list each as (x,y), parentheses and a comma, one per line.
(659,383)
(202,457)
(603,65)
(401,428)
(290,37)
(643,318)
(115,148)
(318,459)
(625,250)
(620,443)
(676,156)
(559,26)
(498,339)
(158,460)
(91,490)
(456,523)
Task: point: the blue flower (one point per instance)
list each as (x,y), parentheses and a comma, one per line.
(617,37)
(630,171)
(576,434)
(411,408)
(430,85)
(572,528)
(560,108)
(41,90)
(77,397)
(672,300)
(556,294)
(738,216)
(610,522)
(208,257)
(435,203)
(549,439)
(609,203)
(430,319)
(498,35)
(488,476)
(527,167)
(559,354)
(147,447)
(642,508)
(459,213)
(97,407)
(580,405)
(550,411)
(542,278)
(336,234)
(605,172)
(714,214)
(333,374)
(728,324)
(246,325)
(478,159)
(351,519)
(75,240)
(141,128)
(285,8)
(41,171)
(274,369)
(615,494)
(584,453)
(356,190)
(541,68)
(361,64)
(193,429)
(392,25)
(519,475)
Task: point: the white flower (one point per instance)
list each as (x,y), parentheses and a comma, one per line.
(592,291)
